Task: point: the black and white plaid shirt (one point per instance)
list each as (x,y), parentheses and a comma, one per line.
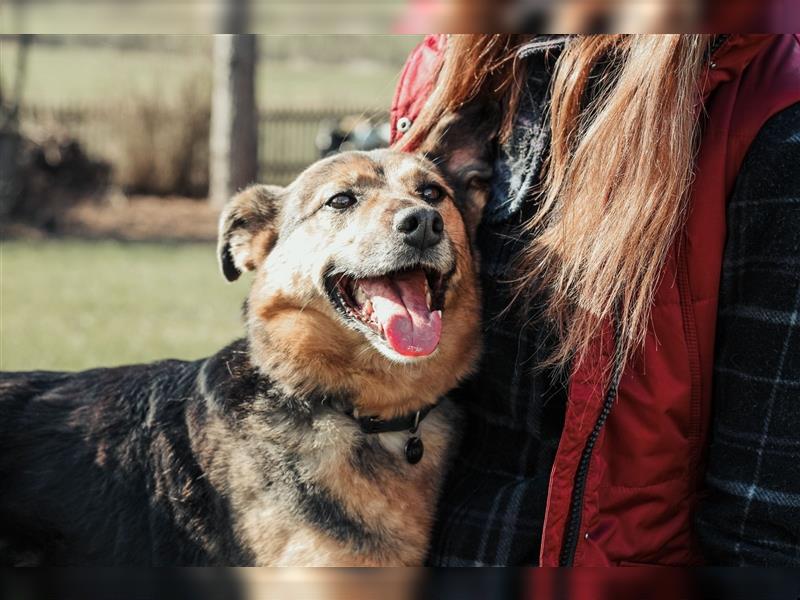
(752,514)
(493,502)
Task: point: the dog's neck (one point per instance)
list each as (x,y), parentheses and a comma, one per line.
(370,388)
(249,379)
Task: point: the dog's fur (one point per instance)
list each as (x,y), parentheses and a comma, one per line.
(249,456)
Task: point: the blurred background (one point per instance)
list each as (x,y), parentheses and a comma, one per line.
(116,154)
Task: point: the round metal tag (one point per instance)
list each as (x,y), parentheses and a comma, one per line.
(414,450)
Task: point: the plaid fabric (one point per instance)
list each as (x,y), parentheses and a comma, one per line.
(493,501)
(752,513)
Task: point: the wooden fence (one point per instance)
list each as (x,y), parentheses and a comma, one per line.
(287,136)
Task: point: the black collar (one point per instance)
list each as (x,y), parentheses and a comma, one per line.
(407,422)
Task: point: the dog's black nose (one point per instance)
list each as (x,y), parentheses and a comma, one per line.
(421,226)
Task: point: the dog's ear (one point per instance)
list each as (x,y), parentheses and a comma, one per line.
(248,229)
(462,145)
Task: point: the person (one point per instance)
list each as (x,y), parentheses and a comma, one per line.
(636,402)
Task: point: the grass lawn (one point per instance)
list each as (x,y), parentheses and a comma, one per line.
(80,304)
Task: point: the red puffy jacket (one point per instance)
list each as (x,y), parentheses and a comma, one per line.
(629,468)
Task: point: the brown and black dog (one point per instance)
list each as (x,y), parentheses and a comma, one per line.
(321,438)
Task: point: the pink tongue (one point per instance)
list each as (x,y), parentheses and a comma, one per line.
(399,305)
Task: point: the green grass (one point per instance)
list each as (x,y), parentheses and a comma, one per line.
(78,304)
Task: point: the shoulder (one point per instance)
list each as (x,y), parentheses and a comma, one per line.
(765,205)
(772,163)
(230,374)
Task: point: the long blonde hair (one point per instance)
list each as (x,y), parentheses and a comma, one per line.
(614,191)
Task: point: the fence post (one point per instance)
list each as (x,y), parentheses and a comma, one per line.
(233,144)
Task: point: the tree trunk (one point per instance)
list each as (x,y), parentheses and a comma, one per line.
(10,138)
(233,160)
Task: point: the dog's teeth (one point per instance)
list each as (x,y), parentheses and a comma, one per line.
(359,295)
(428,298)
(438,312)
(367,307)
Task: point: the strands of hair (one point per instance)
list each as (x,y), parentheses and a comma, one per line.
(613,194)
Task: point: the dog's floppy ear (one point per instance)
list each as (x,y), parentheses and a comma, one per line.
(462,145)
(248,229)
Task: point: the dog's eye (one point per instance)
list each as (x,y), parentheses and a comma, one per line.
(432,193)
(341,201)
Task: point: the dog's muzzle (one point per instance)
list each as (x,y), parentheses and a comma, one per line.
(402,308)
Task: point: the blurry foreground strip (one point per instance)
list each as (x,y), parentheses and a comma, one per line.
(400,16)
(622,583)
(263,584)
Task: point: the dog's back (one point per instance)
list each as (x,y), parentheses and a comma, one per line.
(92,463)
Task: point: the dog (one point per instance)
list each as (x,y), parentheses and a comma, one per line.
(321,438)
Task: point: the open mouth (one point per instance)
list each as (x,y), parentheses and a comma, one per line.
(404,308)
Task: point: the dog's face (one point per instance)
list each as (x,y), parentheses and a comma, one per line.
(373,241)
(363,266)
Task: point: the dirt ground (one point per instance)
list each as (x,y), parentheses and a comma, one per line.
(144,218)
(136,218)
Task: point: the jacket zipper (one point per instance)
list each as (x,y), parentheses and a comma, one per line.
(572,531)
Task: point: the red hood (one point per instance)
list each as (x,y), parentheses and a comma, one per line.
(732,57)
